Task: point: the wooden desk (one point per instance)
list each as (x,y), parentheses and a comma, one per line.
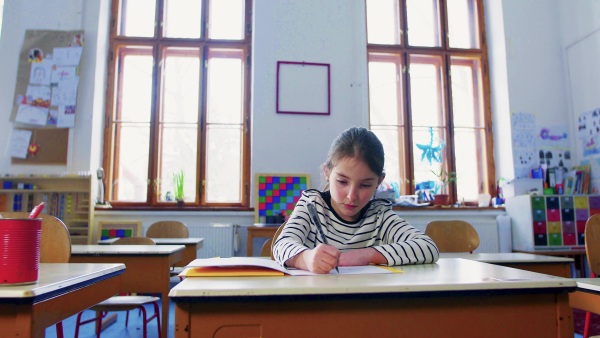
(148,267)
(550,265)
(578,256)
(259,232)
(587,295)
(424,301)
(62,290)
(192,245)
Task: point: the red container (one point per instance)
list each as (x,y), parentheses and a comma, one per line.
(19,250)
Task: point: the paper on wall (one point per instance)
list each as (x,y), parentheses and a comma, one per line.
(18,143)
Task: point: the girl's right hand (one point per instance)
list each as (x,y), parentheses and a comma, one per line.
(321,259)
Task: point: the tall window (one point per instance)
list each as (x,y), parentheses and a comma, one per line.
(178,102)
(429,94)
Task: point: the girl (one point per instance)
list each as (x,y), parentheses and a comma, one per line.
(360,230)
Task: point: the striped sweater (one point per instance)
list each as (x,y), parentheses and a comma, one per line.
(379,227)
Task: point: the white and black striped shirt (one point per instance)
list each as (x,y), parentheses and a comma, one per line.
(379,227)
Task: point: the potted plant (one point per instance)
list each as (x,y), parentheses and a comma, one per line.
(445,177)
(178,179)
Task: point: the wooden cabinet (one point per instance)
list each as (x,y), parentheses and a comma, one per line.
(66,197)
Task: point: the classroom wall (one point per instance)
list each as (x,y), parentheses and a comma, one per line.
(313,31)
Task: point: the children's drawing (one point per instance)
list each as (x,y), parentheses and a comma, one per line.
(588,132)
(523,142)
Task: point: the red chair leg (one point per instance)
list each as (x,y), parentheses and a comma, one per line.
(59,330)
(586,327)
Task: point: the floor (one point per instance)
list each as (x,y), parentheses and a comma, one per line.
(117,329)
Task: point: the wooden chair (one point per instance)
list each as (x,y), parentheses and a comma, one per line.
(168,229)
(124,303)
(592,251)
(453,235)
(267,248)
(55,244)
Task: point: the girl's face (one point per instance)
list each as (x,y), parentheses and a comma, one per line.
(352,185)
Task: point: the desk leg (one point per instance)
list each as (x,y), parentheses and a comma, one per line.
(249,248)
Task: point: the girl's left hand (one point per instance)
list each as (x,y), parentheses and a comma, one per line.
(361,257)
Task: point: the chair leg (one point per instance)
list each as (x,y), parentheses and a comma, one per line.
(59,330)
(157,315)
(97,319)
(145,332)
(586,327)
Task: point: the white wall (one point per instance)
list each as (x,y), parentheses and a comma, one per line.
(330,32)
(527,74)
(535,59)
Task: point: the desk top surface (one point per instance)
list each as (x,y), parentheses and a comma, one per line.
(164,241)
(448,274)
(125,249)
(588,284)
(507,257)
(53,277)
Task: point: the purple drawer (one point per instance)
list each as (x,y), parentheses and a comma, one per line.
(582,214)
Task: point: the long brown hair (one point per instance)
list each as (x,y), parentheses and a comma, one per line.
(359,143)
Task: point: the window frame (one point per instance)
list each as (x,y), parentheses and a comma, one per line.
(159,46)
(404,51)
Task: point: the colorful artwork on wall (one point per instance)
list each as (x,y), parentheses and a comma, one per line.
(277,194)
(119,229)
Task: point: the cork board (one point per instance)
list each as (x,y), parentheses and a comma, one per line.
(52,147)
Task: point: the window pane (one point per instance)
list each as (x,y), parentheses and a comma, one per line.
(226,19)
(463,26)
(223,164)
(471,173)
(385,90)
(429,154)
(426,91)
(134,93)
(181,85)
(132,124)
(131,183)
(137,18)
(467,101)
(423,23)
(383,23)
(393,145)
(178,151)
(182,18)
(225,84)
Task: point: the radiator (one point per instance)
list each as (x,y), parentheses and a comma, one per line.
(220,240)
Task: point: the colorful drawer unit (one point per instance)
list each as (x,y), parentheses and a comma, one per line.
(550,222)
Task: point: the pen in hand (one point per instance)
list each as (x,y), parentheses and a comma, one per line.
(312,212)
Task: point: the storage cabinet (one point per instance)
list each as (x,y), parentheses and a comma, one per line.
(550,222)
(65,197)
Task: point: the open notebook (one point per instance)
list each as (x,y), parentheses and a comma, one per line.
(255,266)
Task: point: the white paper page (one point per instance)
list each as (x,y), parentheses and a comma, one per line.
(32,115)
(19,142)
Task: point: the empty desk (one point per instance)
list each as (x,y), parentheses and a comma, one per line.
(148,267)
(62,290)
(551,265)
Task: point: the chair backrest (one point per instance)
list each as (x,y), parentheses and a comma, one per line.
(168,229)
(453,235)
(55,241)
(275,236)
(592,243)
(134,241)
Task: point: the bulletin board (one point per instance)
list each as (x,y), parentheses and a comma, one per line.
(119,229)
(47,79)
(276,193)
(303,88)
(45,98)
(51,146)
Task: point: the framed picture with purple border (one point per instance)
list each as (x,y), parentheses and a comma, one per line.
(303,88)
